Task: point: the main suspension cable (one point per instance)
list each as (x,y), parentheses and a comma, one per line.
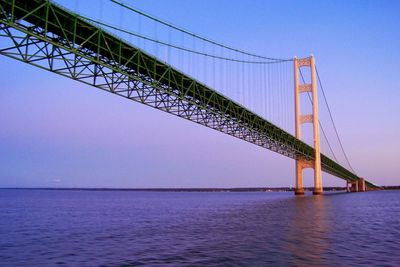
(175,46)
(319,122)
(195,35)
(333,122)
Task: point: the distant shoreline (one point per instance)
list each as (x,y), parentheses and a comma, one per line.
(250,189)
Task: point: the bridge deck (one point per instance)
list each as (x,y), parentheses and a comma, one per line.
(48,36)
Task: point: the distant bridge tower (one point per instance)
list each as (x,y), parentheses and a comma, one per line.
(302,163)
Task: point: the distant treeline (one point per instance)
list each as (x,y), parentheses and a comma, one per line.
(245,189)
(391,187)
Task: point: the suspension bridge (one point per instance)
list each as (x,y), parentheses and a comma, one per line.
(242,94)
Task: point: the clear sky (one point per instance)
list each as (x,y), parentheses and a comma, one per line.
(56,132)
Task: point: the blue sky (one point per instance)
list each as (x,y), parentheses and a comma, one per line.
(57,132)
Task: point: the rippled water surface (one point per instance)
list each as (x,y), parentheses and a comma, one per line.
(114,228)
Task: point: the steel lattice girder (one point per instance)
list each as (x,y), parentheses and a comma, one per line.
(45,35)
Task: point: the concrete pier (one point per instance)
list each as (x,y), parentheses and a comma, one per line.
(357,185)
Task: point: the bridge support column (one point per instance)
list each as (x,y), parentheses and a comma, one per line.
(354,186)
(299,190)
(358,185)
(361,184)
(301,160)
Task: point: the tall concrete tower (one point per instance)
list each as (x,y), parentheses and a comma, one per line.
(302,163)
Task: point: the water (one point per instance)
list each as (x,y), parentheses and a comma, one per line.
(125,228)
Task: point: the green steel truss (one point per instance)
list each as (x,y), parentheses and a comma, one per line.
(43,34)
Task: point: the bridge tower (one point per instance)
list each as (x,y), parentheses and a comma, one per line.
(302,163)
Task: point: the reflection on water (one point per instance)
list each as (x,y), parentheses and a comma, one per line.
(39,227)
(308,236)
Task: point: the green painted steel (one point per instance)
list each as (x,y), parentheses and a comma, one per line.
(43,34)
